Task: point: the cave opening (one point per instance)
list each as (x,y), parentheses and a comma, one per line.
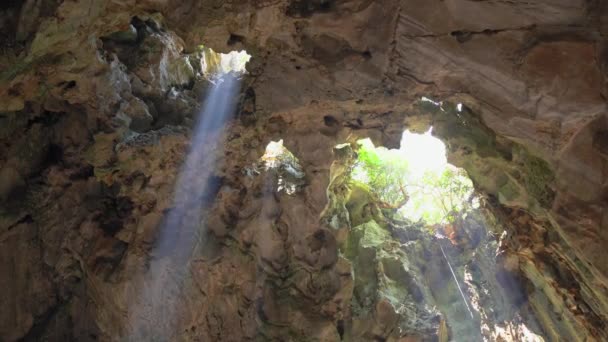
(416,180)
(278,160)
(424,239)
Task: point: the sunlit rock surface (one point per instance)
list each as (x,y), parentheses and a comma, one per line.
(97,103)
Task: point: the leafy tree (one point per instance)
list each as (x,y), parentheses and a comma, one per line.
(384,171)
(439,197)
(435,196)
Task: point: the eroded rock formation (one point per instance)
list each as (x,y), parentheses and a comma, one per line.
(97,104)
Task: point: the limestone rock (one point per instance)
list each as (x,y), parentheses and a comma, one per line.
(98,103)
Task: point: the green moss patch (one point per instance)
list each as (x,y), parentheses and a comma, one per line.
(537,178)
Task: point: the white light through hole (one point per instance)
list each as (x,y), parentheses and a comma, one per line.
(436,189)
(426,155)
(214,65)
(278,157)
(424,152)
(234,61)
(273,152)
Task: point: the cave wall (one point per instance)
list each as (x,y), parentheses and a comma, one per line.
(93,137)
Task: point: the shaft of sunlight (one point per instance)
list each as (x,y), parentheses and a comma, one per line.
(464,298)
(195,178)
(154,311)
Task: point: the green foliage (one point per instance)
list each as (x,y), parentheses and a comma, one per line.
(383,170)
(435,196)
(538,178)
(440,197)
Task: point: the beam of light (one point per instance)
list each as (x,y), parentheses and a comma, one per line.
(464,298)
(154,314)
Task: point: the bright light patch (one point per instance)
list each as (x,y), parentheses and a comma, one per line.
(424,152)
(274,150)
(513,331)
(459,107)
(289,172)
(215,65)
(426,99)
(438,192)
(234,61)
(437,189)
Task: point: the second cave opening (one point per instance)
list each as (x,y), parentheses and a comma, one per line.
(423,242)
(416,180)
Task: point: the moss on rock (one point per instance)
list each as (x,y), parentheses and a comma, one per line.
(537,178)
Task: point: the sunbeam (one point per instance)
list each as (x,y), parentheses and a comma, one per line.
(154,311)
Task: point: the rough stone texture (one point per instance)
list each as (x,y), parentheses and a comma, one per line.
(96,101)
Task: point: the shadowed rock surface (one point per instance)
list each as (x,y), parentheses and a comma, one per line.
(97,104)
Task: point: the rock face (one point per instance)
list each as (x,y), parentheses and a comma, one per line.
(97,104)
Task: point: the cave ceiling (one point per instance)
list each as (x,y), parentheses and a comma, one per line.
(98,100)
